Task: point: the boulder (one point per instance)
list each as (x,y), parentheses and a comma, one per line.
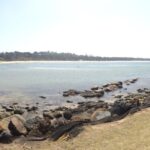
(16,126)
(37,126)
(33,123)
(101,115)
(123,106)
(19,111)
(67,115)
(48,114)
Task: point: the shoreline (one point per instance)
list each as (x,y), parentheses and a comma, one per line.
(37,125)
(55,61)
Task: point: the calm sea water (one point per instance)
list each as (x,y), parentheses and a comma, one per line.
(27,81)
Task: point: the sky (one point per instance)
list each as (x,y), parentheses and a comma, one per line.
(95,27)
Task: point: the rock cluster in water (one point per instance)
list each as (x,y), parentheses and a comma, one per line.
(54,123)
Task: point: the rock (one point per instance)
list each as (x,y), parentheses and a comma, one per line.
(37,126)
(1,129)
(43,97)
(134,80)
(5,137)
(48,114)
(118,96)
(4,114)
(57,114)
(68,101)
(86,106)
(111,88)
(33,123)
(94,88)
(140,90)
(99,91)
(33,108)
(19,111)
(67,115)
(56,122)
(121,107)
(16,126)
(4,123)
(64,129)
(101,115)
(91,94)
(128,82)
(7,108)
(15,103)
(71,93)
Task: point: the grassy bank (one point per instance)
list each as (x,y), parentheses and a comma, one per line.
(131,133)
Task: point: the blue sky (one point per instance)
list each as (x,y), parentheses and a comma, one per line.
(94,27)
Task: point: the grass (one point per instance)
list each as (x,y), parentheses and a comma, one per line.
(131,133)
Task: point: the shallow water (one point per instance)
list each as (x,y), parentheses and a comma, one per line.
(26,81)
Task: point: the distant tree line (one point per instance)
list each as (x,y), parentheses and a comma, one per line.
(51,56)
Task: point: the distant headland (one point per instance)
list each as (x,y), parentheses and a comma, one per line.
(54,56)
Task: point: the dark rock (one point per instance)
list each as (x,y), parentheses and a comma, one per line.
(64,129)
(134,110)
(71,93)
(7,108)
(15,103)
(5,137)
(118,96)
(68,101)
(94,88)
(120,107)
(134,80)
(128,82)
(91,94)
(67,115)
(37,126)
(57,114)
(48,114)
(33,108)
(140,90)
(43,97)
(33,123)
(19,111)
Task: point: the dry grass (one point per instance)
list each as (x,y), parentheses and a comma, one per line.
(131,133)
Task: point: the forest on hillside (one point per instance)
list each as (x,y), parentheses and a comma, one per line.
(52,56)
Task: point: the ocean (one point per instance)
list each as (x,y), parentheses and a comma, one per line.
(26,81)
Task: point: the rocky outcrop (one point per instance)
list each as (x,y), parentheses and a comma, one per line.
(90,94)
(128,82)
(16,126)
(71,93)
(53,123)
(95,91)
